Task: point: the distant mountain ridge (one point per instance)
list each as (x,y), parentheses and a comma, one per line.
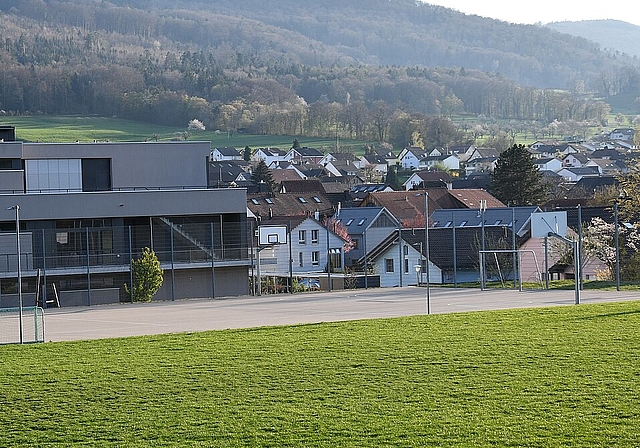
(610,34)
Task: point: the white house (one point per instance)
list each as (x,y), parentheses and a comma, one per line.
(269,155)
(307,244)
(409,158)
(225,154)
(548,164)
(449,161)
(575,174)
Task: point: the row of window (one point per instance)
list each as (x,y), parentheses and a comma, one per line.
(315,258)
(302,236)
(389,265)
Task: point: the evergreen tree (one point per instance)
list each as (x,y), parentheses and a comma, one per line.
(247,154)
(392,178)
(516,181)
(296,144)
(262,174)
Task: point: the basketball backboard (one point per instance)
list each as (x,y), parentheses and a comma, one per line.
(272,235)
(548,222)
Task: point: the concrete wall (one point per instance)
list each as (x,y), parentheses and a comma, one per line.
(141,164)
(196,283)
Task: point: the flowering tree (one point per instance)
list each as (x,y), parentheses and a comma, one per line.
(598,241)
(195,125)
(341,230)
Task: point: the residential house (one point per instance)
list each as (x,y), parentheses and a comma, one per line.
(575,174)
(548,164)
(448,161)
(409,158)
(269,155)
(373,162)
(428,179)
(366,226)
(306,247)
(301,156)
(226,154)
(574,160)
(229,174)
(622,134)
(85,209)
(480,165)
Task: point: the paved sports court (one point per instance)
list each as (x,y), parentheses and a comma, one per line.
(120,320)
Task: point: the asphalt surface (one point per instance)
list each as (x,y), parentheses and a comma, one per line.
(125,319)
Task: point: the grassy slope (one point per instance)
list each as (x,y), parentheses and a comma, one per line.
(562,376)
(87,129)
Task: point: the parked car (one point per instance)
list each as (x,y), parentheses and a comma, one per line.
(309,284)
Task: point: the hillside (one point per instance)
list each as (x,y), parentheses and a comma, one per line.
(384,32)
(614,35)
(369,70)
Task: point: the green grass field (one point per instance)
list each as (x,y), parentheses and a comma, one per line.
(556,377)
(60,129)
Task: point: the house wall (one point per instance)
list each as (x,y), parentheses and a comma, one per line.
(196,283)
(408,278)
(276,259)
(374,235)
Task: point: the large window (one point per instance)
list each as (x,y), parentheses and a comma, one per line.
(53,175)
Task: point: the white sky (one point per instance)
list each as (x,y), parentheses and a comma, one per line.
(546,11)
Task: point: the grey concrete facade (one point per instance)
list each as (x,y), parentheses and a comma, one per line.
(81,240)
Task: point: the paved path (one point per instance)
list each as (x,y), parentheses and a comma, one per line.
(120,320)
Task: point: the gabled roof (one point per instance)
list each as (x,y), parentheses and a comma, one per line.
(229,151)
(582,170)
(292,204)
(280,176)
(301,186)
(228,171)
(308,152)
(408,205)
(275,152)
(468,245)
(358,219)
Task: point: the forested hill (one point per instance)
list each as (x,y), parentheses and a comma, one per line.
(311,32)
(612,34)
(285,66)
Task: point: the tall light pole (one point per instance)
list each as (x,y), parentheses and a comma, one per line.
(426,245)
(616,238)
(19,267)
(483,208)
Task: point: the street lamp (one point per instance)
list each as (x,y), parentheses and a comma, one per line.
(19,267)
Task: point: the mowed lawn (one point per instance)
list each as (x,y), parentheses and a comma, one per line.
(563,376)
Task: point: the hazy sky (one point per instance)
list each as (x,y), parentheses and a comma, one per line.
(546,11)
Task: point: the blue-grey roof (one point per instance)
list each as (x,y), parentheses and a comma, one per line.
(356,219)
(493,217)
